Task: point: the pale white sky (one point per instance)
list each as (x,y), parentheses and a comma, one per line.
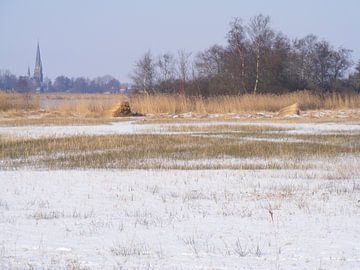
(94,38)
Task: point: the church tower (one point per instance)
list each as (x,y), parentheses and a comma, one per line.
(38,74)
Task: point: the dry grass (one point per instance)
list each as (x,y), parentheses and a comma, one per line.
(148,151)
(346,139)
(289,110)
(79,96)
(265,132)
(86,105)
(351,118)
(55,120)
(100,104)
(85,108)
(15,101)
(244,130)
(65,108)
(19,109)
(175,104)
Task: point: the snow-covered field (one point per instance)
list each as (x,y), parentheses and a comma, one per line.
(132,127)
(181,219)
(71,130)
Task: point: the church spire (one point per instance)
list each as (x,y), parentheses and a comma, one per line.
(38,74)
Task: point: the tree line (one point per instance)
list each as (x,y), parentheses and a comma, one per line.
(255,59)
(9,81)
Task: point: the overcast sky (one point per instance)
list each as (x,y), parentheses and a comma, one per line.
(95,38)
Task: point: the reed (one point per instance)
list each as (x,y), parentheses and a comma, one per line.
(100,105)
(175,104)
(16,101)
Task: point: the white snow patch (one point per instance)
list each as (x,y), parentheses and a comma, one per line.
(102,219)
(72,130)
(132,128)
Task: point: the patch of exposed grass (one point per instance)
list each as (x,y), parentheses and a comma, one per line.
(342,139)
(137,151)
(56,121)
(348,139)
(216,129)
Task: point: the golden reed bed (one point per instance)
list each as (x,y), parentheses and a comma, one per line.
(175,104)
(101,105)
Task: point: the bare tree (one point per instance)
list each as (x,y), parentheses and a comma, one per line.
(303,50)
(7,80)
(80,84)
(144,74)
(165,74)
(340,63)
(238,44)
(210,66)
(211,61)
(255,59)
(183,68)
(166,65)
(355,78)
(62,83)
(261,36)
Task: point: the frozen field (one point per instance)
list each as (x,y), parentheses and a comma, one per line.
(179,220)
(297,212)
(132,127)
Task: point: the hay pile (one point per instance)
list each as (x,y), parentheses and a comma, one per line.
(289,110)
(123,110)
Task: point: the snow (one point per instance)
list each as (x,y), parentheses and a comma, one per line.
(105,219)
(177,219)
(72,130)
(317,128)
(130,127)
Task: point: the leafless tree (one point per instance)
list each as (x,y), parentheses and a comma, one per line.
(8,81)
(144,74)
(165,73)
(303,50)
(210,62)
(166,65)
(183,68)
(340,63)
(355,78)
(238,51)
(261,36)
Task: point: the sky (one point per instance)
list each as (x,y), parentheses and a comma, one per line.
(106,37)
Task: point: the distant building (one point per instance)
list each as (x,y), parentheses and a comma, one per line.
(38,72)
(123,89)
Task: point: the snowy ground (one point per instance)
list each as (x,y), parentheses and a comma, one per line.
(71,130)
(178,219)
(132,127)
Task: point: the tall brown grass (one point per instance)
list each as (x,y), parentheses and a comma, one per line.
(88,105)
(80,96)
(17,101)
(87,108)
(100,105)
(175,104)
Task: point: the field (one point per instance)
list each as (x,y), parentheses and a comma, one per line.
(180,188)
